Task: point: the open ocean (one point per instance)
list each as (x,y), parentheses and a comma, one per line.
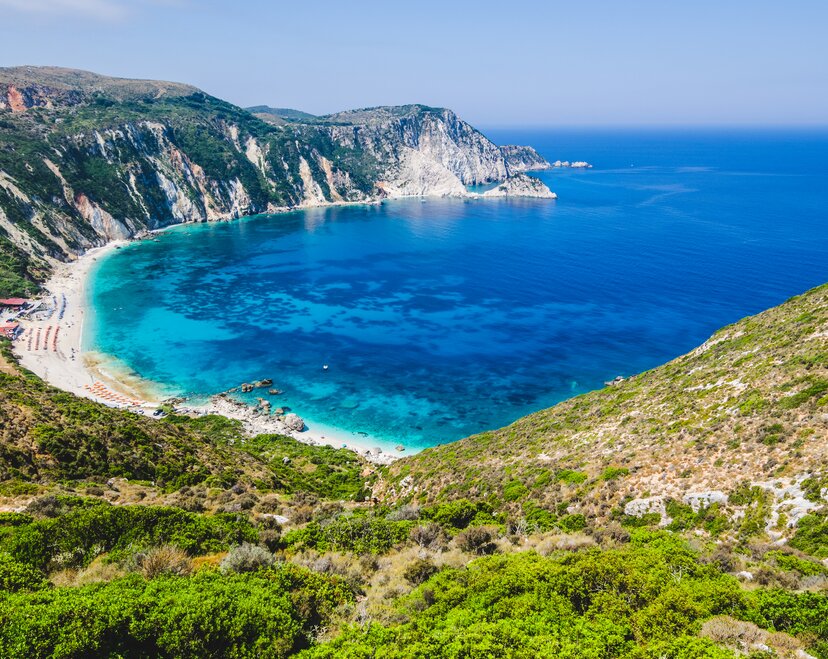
(442,318)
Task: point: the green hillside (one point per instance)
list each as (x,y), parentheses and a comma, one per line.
(751,404)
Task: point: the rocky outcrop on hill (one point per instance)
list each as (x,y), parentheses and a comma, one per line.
(85,159)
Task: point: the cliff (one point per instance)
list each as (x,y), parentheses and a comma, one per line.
(85,159)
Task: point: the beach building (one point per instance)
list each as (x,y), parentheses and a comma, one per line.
(9,330)
(14,303)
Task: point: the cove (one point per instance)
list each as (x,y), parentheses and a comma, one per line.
(441,318)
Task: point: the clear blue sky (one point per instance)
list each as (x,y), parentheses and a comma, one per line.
(513,62)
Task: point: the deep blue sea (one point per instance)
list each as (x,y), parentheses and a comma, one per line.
(442,318)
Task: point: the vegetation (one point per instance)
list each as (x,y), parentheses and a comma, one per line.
(150,581)
(51,435)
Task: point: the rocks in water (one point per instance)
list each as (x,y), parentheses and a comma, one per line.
(577,164)
(400,447)
(246,387)
(294,422)
(617,380)
(274,392)
(260,384)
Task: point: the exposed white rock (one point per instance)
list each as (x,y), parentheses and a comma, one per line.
(418,174)
(313,195)
(697,500)
(294,422)
(521,185)
(647,506)
(578,164)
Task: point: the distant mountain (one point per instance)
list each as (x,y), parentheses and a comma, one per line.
(86,158)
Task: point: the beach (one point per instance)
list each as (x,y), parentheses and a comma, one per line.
(51,346)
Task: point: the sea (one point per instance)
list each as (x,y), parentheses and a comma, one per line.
(420,322)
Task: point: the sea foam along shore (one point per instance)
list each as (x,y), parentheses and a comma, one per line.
(51,346)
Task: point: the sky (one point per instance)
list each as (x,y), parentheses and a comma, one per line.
(508,63)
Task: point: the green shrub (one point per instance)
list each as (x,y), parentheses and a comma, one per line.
(359,534)
(611,473)
(246,558)
(264,614)
(76,537)
(15,576)
(812,535)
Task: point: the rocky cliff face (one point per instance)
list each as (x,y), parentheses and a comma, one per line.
(524,159)
(85,159)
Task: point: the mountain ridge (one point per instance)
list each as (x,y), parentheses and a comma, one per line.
(85,159)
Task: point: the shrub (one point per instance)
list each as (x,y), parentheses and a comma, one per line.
(76,537)
(571,477)
(16,576)
(812,535)
(270,614)
(457,514)
(428,536)
(419,571)
(404,513)
(611,473)
(572,522)
(514,490)
(246,558)
(165,559)
(478,540)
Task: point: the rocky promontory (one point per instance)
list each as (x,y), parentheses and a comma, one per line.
(86,159)
(521,185)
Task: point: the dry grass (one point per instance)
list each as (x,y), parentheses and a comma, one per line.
(97,571)
(165,559)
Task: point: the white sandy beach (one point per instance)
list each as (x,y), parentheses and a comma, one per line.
(51,346)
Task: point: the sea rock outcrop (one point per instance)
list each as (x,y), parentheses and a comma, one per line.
(521,185)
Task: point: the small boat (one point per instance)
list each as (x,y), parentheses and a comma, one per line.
(324,367)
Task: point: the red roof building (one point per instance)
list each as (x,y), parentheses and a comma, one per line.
(13,302)
(9,330)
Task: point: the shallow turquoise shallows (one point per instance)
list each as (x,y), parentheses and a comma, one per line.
(438,319)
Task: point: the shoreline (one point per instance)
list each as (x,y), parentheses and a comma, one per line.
(51,346)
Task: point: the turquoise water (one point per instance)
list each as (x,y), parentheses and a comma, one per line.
(442,318)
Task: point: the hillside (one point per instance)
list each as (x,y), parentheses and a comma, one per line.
(85,159)
(122,535)
(749,406)
(48,436)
